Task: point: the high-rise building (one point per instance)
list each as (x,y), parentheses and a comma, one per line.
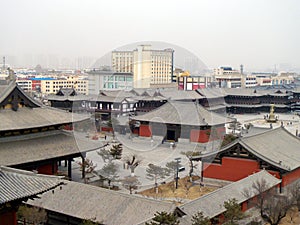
(148,66)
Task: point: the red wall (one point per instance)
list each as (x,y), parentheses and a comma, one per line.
(231,169)
(203,136)
(199,136)
(244,206)
(47,169)
(107,129)
(8,218)
(290,177)
(35,83)
(145,131)
(68,127)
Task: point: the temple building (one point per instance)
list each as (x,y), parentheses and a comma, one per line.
(276,151)
(212,204)
(17,186)
(76,202)
(250,100)
(67,99)
(182,121)
(37,137)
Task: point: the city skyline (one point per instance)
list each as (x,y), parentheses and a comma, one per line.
(257,34)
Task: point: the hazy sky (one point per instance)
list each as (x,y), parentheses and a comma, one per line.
(256,33)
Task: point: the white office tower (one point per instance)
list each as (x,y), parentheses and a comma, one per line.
(149,67)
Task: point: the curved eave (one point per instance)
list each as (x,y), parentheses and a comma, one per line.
(248,148)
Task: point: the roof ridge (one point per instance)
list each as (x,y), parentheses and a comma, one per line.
(120,193)
(267,131)
(28,173)
(32,136)
(230,185)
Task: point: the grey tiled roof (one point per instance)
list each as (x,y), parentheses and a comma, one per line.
(277,147)
(18,184)
(168,93)
(118,93)
(212,204)
(254,92)
(184,113)
(212,92)
(254,131)
(105,206)
(222,92)
(43,146)
(104,98)
(26,117)
(5,90)
(67,97)
(36,117)
(175,94)
(256,105)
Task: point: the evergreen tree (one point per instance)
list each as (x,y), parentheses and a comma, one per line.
(116,151)
(200,219)
(233,211)
(155,173)
(164,218)
(109,172)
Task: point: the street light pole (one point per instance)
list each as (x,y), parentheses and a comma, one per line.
(176,178)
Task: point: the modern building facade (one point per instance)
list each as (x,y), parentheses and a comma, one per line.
(25,84)
(147,65)
(227,77)
(189,83)
(107,79)
(52,86)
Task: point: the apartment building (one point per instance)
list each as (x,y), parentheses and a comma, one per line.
(227,77)
(25,84)
(249,81)
(283,78)
(148,66)
(225,70)
(52,86)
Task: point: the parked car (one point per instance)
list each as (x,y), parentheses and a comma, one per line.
(182,168)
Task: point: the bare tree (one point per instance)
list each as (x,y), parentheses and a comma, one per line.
(132,162)
(190,155)
(273,207)
(259,188)
(109,172)
(156,173)
(294,192)
(130,183)
(88,166)
(187,186)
